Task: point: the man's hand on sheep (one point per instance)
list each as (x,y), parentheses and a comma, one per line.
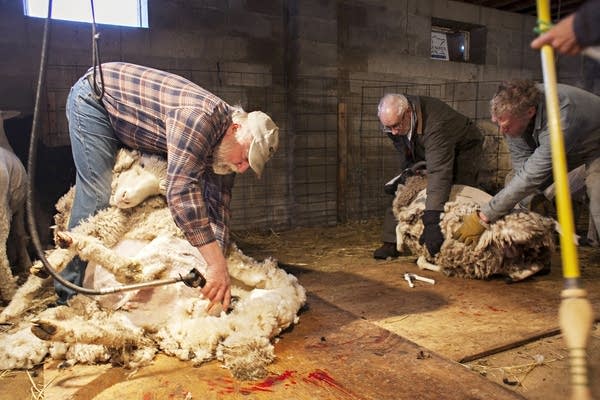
(471,229)
(432,236)
(218,285)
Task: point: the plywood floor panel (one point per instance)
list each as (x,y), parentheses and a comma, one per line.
(331,354)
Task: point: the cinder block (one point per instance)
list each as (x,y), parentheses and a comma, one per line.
(316,8)
(314,28)
(455,11)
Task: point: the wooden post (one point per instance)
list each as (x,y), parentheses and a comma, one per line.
(342,158)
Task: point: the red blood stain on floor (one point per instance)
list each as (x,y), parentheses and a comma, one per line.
(317,377)
(267,384)
(320,377)
(147,396)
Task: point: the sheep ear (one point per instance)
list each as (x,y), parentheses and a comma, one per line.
(125,159)
(135,154)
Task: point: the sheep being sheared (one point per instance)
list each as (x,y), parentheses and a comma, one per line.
(131,326)
(13,192)
(518,245)
(116,223)
(174,318)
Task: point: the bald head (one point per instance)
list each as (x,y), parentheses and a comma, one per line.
(393,113)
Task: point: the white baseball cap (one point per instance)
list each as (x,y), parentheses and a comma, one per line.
(265,140)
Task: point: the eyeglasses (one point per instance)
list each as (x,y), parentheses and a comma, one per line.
(389,129)
(397,126)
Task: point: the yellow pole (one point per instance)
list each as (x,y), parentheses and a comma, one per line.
(575,312)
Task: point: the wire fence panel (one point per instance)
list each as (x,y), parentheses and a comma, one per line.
(379,160)
(257,203)
(299,186)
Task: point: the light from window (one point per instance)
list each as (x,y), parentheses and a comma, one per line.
(458,41)
(449,44)
(113,12)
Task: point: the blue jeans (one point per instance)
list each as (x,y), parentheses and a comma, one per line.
(94,146)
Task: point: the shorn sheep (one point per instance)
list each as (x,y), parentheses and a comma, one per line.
(142,243)
(13,192)
(516,246)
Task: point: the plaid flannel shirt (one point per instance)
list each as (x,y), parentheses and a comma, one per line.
(158,112)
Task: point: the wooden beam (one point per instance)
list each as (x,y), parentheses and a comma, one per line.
(342,158)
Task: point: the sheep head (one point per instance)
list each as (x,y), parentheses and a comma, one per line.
(136,177)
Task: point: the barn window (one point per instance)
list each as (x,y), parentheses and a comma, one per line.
(113,12)
(457,41)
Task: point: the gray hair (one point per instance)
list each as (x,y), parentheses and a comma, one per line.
(239,116)
(393,101)
(515,97)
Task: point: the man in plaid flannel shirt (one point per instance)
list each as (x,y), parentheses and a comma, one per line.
(205,141)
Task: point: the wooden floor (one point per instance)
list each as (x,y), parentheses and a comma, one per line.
(364,333)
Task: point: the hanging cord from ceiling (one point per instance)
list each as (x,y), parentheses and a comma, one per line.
(96,63)
(193,279)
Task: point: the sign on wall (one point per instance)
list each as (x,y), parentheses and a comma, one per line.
(439,46)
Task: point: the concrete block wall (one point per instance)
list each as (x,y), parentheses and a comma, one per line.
(232,48)
(296,60)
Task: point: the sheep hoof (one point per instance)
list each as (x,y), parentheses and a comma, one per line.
(43,329)
(523,274)
(39,270)
(63,240)
(422,263)
(66,364)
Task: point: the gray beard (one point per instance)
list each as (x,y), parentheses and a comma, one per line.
(221,165)
(222,168)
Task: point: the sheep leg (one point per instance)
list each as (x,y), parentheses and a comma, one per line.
(108,226)
(126,270)
(21,238)
(516,276)
(8,284)
(24,296)
(592,234)
(44,330)
(106,332)
(422,263)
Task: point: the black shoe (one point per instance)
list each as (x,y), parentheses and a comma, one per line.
(387,250)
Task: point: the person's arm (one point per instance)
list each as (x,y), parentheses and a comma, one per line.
(586,26)
(527,179)
(439,150)
(190,181)
(217,196)
(575,32)
(534,169)
(218,284)
(561,36)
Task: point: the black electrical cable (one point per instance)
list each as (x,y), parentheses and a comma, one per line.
(193,279)
(96,62)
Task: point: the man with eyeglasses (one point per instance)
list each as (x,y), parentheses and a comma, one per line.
(427,129)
